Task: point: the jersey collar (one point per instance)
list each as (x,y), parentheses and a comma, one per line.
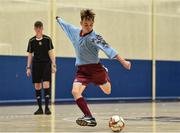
(38,39)
(85,34)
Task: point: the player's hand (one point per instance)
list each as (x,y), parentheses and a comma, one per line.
(28,72)
(54,68)
(127,65)
(57,17)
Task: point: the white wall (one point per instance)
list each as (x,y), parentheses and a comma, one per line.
(125,24)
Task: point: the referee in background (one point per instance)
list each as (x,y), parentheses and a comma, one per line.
(41,57)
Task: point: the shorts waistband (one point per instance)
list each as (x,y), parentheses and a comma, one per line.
(90,65)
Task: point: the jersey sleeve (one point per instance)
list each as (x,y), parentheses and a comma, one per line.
(30,48)
(50,46)
(70,30)
(104,46)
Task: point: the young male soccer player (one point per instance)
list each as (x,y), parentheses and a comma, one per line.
(42,58)
(87,44)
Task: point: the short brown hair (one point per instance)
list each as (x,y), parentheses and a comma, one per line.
(38,24)
(87,14)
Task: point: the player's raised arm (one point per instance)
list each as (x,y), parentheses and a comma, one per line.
(109,51)
(71,31)
(126,64)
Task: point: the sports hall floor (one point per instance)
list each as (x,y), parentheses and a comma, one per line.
(139,117)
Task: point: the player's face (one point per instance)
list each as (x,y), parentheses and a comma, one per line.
(87,26)
(39,31)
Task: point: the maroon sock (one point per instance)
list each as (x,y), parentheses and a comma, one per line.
(83,106)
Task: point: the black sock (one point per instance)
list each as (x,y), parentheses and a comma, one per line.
(39,98)
(46,96)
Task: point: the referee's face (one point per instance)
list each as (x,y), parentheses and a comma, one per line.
(87,26)
(38,31)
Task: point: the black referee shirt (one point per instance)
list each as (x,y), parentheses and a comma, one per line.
(40,48)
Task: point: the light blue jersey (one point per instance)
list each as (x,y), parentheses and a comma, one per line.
(86,47)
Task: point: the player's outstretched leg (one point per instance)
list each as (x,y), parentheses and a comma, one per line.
(39,99)
(87,119)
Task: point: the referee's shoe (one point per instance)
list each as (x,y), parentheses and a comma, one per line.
(47,111)
(39,112)
(86,121)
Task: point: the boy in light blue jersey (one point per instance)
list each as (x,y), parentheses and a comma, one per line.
(87,44)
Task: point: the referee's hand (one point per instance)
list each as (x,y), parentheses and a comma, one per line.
(28,72)
(54,68)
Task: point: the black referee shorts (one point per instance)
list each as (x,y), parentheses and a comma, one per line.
(41,72)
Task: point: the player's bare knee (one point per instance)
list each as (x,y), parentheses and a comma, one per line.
(76,88)
(75,92)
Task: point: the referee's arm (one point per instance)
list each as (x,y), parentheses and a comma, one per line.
(29,62)
(53,60)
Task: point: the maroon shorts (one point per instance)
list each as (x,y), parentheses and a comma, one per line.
(92,73)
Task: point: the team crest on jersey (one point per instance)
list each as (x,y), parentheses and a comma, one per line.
(40,43)
(100,40)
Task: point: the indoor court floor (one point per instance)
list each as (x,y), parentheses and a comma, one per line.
(139,117)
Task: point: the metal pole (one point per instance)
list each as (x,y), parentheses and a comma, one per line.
(53,36)
(153,50)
